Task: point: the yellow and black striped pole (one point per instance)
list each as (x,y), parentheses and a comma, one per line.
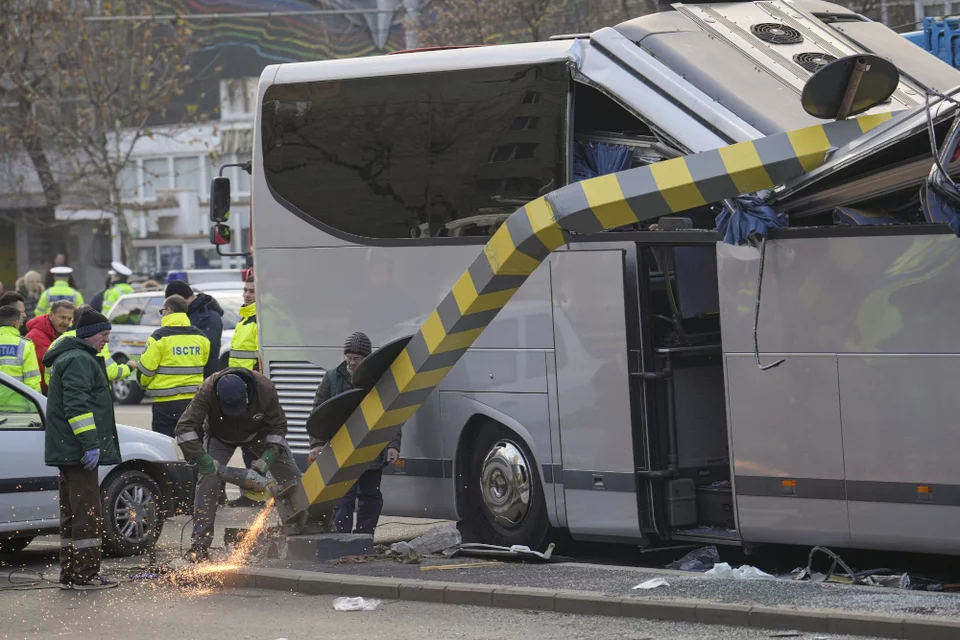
(525,240)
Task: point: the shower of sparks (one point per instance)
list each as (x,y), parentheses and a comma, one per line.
(206,577)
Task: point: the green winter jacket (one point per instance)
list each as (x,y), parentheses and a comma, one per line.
(79,405)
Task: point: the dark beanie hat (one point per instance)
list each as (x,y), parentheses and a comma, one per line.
(359,344)
(91,323)
(232,394)
(178,288)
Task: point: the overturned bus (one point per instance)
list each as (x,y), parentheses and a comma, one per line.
(610,374)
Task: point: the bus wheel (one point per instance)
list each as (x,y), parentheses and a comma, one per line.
(504,500)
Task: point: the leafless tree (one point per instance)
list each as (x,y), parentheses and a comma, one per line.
(463,22)
(81,93)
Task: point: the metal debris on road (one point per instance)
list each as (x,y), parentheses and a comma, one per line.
(465,565)
(517,551)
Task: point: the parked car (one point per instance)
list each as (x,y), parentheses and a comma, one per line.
(150,484)
(136,316)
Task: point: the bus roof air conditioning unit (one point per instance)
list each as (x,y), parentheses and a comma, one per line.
(776,33)
(812,61)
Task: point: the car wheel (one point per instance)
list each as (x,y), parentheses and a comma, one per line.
(126,391)
(132,515)
(504,499)
(9,546)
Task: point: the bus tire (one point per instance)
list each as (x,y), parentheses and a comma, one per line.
(504,501)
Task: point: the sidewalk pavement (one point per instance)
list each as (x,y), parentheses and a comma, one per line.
(607,590)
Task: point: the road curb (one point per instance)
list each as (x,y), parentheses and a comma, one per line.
(588,602)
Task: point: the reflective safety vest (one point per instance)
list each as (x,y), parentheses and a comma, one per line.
(111,295)
(61,290)
(243,346)
(171,368)
(18,359)
(115,370)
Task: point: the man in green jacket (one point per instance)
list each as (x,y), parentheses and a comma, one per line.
(363,500)
(81,434)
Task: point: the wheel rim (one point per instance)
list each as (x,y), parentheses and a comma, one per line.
(121,389)
(134,513)
(505,484)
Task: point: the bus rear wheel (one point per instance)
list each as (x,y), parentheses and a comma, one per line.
(504,502)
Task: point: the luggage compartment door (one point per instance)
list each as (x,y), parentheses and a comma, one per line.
(593,395)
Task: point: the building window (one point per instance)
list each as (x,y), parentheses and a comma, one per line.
(147,259)
(156,175)
(524,123)
(186,173)
(171,258)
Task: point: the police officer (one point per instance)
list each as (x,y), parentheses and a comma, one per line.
(18,359)
(171,367)
(61,290)
(118,285)
(244,348)
(115,370)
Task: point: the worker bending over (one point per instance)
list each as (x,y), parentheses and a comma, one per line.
(234,407)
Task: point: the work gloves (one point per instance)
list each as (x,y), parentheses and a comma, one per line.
(206,465)
(262,466)
(90,459)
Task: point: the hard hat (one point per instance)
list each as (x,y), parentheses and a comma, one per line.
(120,268)
(61,271)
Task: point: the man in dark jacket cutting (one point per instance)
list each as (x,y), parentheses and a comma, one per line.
(364,496)
(81,434)
(234,407)
(206,314)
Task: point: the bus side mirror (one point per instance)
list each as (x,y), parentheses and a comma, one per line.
(220,234)
(220,199)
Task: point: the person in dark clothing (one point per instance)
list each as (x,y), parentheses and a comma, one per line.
(81,435)
(59,260)
(97,300)
(364,497)
(206,314)
(233,408)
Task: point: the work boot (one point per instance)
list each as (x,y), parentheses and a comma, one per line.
(197,554)
(244,501)
(66,582)
(94,583)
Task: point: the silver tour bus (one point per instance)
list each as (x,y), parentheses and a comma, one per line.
(617,396)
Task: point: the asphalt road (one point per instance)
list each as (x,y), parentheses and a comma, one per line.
(150,612)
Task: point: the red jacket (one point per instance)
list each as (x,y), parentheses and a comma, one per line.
(41,333)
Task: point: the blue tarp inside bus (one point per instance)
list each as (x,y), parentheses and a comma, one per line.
(749,217)
(594,159)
